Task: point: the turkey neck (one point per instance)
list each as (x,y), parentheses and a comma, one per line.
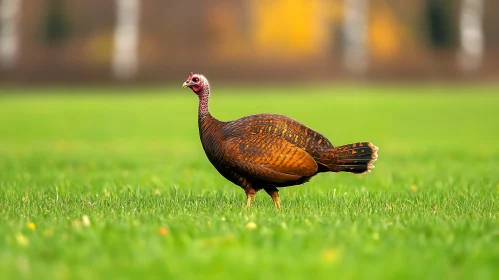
(205,120)
(209,127)
(204,97)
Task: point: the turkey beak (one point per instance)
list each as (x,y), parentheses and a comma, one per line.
(185,84)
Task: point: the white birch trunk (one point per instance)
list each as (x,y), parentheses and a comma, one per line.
(9,32)
(125,59)
(472,39)
(355,56)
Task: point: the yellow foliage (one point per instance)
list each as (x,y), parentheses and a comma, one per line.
(289,26)
(385,34)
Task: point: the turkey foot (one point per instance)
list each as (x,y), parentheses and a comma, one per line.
(274,194)
(250,196)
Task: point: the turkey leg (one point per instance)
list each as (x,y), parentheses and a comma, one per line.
(250,196)
(274,193)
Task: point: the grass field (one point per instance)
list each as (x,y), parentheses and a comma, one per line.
(99,186)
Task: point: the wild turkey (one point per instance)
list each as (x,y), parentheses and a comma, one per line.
(267,151)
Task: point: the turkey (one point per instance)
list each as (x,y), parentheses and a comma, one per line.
(268,151)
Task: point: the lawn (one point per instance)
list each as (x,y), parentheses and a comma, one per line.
(96,185)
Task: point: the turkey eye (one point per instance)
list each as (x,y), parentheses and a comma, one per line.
(195,80)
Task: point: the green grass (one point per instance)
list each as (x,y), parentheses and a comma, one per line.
(133,164)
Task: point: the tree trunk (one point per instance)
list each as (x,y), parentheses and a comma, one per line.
(125,60)
(472,39)
(9,32)
(355,34)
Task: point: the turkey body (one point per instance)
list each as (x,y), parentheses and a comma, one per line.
(267,151)
(264,150)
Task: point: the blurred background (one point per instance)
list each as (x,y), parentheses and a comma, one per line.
(155,41)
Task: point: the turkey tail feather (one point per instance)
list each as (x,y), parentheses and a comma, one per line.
(355,158)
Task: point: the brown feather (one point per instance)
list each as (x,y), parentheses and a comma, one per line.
(268,158)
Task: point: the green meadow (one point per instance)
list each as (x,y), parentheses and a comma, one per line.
(111,183)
